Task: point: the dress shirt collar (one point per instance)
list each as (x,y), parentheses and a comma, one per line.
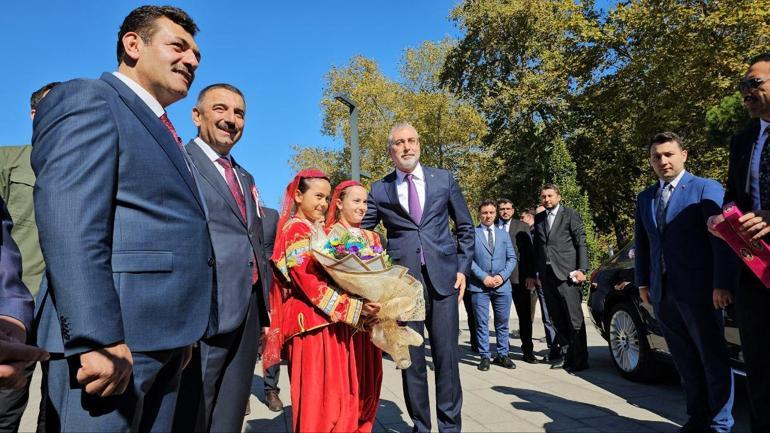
(674,182)
(553,211)
(143,94)
(211,153)
(417,173)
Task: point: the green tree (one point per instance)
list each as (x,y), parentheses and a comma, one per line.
(451,131)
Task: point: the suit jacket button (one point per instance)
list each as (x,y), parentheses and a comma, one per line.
(211,261)
(418,251)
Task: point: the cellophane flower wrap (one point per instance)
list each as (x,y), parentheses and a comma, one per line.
(364,270)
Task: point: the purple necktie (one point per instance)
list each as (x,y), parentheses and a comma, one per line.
(415,210)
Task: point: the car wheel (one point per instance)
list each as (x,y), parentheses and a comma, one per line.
(628,344)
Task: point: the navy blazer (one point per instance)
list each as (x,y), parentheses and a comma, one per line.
(444,257)
(695,261)
(236,243)
(15,300)
(501,261)
(122,226)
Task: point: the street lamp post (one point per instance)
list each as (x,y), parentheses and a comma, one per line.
(355,152)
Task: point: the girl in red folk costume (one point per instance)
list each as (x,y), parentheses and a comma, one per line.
(348,207)
(312,320)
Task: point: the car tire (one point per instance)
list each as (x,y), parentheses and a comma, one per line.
(628,345)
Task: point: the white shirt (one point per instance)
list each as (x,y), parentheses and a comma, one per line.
(550,215)
(143,94)
(505,225)
(402,187)
(674,182)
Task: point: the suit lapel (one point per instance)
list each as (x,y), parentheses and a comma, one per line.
(157,129)
(211,175)
(676,200)
(390,187)
(482,233)
(430,186)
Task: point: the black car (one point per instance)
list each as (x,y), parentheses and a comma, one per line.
(635,340)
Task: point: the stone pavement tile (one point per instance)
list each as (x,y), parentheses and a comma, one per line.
(470,425)
(621,424)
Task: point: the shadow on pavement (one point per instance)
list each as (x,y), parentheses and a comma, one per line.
(390,418)
(564,413)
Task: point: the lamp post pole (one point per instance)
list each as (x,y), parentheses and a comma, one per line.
(355,151)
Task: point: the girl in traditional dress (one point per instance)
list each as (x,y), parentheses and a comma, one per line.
(348,207)
(314,319)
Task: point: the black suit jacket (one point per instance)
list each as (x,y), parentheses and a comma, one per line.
(269,228)
(738,171)
(525,252)
(236,242)
(564,245)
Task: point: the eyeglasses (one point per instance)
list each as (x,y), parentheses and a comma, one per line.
(748,84)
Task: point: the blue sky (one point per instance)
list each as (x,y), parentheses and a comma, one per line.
(276,52)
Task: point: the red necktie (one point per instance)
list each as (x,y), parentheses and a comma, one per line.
(235,190)
(164,118)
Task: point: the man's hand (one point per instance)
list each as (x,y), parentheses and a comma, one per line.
(530,284)
(369,313)
(644,293)
(580,277)
(14,358)
(755,224)
(460,286)
(722,298)
(12,329)
(712,224)
(106,371)
(498,281)
(489,281)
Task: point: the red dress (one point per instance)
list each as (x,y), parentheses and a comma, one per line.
(317,323)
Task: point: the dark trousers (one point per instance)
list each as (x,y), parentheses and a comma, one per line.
(695,337)
(217,383)
(564,301)
(441,321)
(272,375)
(472,325)
(548,328)
(146,406)
(752,305)
(12,404)
(522,301)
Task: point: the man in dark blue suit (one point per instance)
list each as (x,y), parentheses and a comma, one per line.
(16,308)
(680,270)
(129,275)
(415,203)
(219,385)
(494,260)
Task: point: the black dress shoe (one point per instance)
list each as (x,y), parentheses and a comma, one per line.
(559,363)
(576,368)
(695,427)
(273,401)
(484,364)
(504,361)
(529,358)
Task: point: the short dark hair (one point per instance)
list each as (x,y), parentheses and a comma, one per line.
(487,202)
(550,186)
(764,57)
(665,137)
(527,211)
(504,201)
(40,93)
(142,21)
(225,86)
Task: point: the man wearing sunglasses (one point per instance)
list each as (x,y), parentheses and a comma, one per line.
(748,185)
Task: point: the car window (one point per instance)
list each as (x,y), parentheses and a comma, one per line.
(626,255)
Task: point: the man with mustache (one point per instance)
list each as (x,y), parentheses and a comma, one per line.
(415,203)
(748,185)
(129,266)
(217,385)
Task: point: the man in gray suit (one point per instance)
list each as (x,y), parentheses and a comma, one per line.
(218,386)
(562,261)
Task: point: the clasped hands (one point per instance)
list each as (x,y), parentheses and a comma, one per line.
(493,282)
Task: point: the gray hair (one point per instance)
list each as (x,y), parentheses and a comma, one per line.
(398,126)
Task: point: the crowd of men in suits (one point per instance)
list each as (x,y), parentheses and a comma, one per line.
(156,257)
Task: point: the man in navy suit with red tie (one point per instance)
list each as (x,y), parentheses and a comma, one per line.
(415,203)
(129,266)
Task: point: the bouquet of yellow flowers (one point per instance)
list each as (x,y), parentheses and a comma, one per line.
(366,271)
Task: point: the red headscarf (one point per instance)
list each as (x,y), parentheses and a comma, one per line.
(331,214)
(273,339)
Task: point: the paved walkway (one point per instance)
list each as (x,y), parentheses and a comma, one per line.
(531,398)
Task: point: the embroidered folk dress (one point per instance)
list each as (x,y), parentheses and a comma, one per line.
(318,321)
